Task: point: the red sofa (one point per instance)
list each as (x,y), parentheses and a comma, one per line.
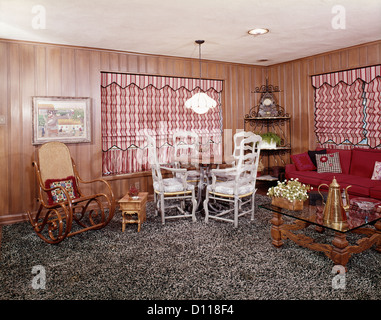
(357,167)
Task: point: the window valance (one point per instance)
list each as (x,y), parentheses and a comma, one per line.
(159,82)
(366,74)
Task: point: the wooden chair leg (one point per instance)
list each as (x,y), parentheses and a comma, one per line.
(194,206)
(57,222)
(162,208)
(155,203)
(206,202)
(252,206)
(236,210)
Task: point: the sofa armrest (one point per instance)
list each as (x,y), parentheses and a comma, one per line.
(291,167)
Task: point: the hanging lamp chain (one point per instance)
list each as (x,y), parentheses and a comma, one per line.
(199,42)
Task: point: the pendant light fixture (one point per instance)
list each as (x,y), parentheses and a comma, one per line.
(200,102)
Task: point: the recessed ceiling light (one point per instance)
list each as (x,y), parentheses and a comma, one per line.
(258,31)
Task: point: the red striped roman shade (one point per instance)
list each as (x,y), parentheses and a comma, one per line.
(136,105)
(347,107)
(373,112)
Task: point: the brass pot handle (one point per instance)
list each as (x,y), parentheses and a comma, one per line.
(322,198)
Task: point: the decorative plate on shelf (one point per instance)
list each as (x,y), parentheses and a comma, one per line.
(267,106)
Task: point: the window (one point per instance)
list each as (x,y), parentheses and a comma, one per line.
(134,105)
(348,107)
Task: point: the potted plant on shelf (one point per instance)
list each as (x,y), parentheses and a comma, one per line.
(289,194)
(270,140)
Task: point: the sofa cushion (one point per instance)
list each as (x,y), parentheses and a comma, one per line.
(360,185)
(303,162)
(363,160)
(310,177)
(313,154)
(328,163)
(375,192)
(172,185)
(345,158)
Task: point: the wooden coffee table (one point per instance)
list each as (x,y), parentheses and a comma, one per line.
(340,250)
(131,208)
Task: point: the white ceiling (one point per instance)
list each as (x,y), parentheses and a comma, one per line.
(170,27)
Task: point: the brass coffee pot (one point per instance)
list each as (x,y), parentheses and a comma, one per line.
(334,214)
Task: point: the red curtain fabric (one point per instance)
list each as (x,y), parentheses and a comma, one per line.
(347,107)
(373,112)
(339,113)
(136,105)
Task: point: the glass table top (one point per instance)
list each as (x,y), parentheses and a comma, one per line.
(362,211)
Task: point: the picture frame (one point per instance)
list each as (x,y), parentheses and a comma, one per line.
(64,119)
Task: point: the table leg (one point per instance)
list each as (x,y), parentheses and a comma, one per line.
(204,175)
(1,235)
(200,186)
(123,221)
(377,225)
(340,254)
(276,235)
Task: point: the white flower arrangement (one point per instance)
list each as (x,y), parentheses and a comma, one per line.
(290,190)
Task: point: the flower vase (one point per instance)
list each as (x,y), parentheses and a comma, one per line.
(133,193)
(295,205)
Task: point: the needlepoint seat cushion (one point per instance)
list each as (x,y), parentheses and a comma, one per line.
(56,195)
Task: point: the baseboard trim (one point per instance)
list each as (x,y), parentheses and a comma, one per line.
(23,216)
(13,218)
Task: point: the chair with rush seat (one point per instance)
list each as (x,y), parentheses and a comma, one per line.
(186,153)
(176,190)
(240,186)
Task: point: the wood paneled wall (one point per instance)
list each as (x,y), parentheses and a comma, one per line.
(33,69)
(297,96)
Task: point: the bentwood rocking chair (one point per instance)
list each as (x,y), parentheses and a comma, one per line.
(61,200)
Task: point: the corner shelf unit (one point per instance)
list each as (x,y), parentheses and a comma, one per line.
(268,116)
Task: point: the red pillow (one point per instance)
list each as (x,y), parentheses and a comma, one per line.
(303,162)
(55,196)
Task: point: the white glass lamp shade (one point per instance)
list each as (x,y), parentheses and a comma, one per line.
(200,103)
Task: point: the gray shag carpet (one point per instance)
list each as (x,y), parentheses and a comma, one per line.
(181,260)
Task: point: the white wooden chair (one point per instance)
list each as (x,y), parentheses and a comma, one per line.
(238,191)
(186,153)
(238,137)
(176,190)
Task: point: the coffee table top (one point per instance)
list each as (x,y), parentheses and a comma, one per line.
(357,216)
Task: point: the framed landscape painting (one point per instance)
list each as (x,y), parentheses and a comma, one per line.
(63,119)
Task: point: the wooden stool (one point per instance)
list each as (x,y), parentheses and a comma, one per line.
(130,207)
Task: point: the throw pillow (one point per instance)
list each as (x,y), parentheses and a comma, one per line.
(328,162)
(56,195)
(313,153)
(377,171)
(303,162)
